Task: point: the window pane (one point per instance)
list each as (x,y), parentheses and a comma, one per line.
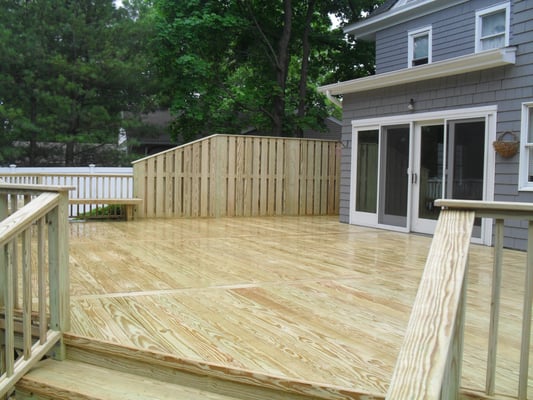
(367,171)
(421,47)
(493,24)
(493,43)
(530,165)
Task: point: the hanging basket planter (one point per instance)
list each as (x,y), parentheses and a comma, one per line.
(506,148)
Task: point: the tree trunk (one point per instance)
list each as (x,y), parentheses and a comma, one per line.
(306,51)
(282,69)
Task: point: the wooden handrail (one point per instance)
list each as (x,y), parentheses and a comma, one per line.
(433,340)
(429,362)
(45,213)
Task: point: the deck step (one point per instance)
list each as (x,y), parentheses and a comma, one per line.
(77,380)
(97,369)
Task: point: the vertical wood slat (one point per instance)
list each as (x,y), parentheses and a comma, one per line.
(256,177)
(231,173)
(204,178)
(168,192)
(247,175)
(526,319)
(226,175)
(291,174)
(9,302)
(41,291)
(159,182)
(490,382)
(26,293)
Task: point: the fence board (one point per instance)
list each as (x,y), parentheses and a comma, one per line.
(224,175)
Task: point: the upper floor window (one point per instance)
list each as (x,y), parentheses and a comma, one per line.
(526,151)
(419,46)
(492,27)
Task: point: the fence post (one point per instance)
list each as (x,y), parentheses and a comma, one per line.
(58,270)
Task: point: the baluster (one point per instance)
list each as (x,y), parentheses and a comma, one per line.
(43,322)
(26,292)
(494,307)
(526,320)
(9,302)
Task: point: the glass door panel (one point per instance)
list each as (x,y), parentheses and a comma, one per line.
(466,163)
(431,170)
(367,171)
(394,183)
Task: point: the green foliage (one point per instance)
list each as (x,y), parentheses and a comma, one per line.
(68,69)
(224,62)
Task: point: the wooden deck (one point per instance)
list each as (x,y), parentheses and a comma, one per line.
(305,298)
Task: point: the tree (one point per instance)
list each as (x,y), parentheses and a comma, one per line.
(69,69)
(229,65)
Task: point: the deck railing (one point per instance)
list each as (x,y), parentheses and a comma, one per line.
(34,286)
(84,186)
(225,175)
(429,362)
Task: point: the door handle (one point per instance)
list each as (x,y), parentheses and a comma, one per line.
(414,178)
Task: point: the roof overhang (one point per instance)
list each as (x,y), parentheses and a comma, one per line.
(367,28)
(454,66)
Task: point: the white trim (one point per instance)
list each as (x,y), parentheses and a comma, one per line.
(454,66)
(360,217)
(523,173)
(489,113)
(462,113)
(411,36)
(492,10)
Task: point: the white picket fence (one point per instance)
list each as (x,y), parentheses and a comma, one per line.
(86,182)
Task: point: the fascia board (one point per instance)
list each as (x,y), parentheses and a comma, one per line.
(455,66)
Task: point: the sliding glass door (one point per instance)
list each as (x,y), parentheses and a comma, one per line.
(402,169)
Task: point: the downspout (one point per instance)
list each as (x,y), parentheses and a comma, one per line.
(334,100)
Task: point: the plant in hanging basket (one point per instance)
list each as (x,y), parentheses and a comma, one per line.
(506,148)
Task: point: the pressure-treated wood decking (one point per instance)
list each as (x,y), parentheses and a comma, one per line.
(300,297)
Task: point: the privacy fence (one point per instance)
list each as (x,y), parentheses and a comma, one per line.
(224,175)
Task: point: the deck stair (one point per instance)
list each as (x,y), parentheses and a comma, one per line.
(96,370)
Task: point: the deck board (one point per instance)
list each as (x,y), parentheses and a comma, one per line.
(303,297)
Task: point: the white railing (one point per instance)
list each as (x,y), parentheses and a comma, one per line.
(34,280)
(85,184)
(429,362)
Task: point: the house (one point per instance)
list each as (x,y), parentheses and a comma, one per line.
(452,77)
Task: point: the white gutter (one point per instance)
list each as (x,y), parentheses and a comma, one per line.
(334,100)
(454,66)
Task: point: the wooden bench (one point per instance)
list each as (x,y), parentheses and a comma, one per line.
(128,204)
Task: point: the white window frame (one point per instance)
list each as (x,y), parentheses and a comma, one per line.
(412,34)
(492,10)
(525,148)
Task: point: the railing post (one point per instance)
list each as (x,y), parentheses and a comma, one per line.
(58,269)
(490,382)
(526,320)
(452,379)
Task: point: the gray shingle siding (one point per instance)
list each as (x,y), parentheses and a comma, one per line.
(506,87)
(453,31)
